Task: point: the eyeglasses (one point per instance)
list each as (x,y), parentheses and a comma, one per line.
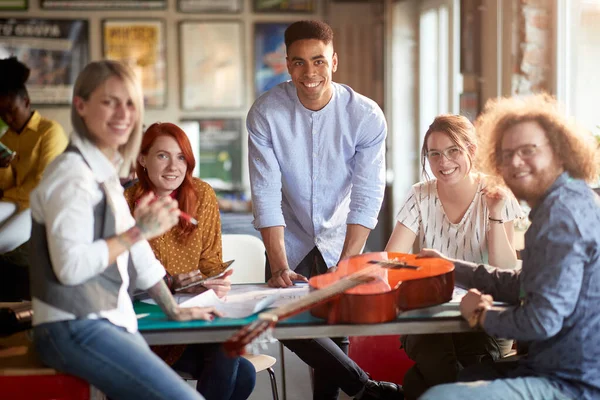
(524,152)
(451,153)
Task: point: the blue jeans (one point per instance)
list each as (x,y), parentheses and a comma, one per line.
(115,361)
(497,381)
(219,377)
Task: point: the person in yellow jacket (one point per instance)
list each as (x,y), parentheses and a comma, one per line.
(27,147)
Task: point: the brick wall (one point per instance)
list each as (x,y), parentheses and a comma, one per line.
(532,46)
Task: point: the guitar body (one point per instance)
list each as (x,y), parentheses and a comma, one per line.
(365,289)
(423,282)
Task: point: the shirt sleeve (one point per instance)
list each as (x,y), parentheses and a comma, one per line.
(68,214)
(211,254)
(503,285)
(149,269)
(368,179)
(409,214)
(265,174)
(52,143)
(512,210)
(554,262)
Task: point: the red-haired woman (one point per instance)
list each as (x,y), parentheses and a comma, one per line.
(189,253)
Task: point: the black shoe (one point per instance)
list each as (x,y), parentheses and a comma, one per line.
(380,390)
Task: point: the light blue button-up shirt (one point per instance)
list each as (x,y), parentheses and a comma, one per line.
(316,171)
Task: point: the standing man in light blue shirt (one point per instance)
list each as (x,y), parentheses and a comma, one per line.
(317,172)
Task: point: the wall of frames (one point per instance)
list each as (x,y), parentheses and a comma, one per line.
(201,62)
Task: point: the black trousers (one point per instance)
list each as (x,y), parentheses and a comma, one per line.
(327,356)
(441,357)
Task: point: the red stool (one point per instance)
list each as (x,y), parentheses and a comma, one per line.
(42,385)
(381,357)
(24,377)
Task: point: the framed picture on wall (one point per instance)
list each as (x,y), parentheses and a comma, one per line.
(141,45)
(55,50)
(209,6)
(14,5)
(212,75)
(217,146)
(270,67)
(286,6)
(103,4)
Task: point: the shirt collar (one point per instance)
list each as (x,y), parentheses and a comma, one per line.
(561,181)
(323,110)
(34,122)
(102,168)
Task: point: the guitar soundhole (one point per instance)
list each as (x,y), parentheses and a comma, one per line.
(393,264)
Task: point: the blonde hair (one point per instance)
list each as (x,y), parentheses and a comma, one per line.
(573,145)
(458,128)
(95,74)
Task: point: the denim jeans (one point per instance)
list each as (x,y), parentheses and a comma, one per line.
(219,376)
(115,361)
(491,382)
(530,388)
(327,356)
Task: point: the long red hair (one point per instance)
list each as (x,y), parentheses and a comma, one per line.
(186,194)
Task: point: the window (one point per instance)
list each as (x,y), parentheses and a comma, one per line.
(578,57)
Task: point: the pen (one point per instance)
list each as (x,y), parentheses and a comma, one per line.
(187,217)
(183,215)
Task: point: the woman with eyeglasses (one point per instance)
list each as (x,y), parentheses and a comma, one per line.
(462,214)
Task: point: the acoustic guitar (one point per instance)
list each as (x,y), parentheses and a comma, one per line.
(364,289)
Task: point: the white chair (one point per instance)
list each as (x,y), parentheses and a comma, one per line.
(249,255)
(249,267)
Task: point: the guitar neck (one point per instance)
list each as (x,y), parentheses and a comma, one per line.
(315,297)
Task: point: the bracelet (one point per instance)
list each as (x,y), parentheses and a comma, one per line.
(496,221)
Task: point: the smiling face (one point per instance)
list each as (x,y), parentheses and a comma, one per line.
(529,176)
(311,64)
(447,171)
(165,164)
(109,114)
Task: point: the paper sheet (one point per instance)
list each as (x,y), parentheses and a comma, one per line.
(243,300)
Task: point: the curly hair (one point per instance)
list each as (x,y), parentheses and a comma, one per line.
(573,145)
(308,29)
(459,129)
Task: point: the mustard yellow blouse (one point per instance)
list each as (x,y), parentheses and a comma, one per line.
(37,145)
(203,249)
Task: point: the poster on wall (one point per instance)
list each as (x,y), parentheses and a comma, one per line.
(103,4)
(55,50)
(202,6)
(219,156)
(284,5)
(141,45)
(269,56)
(13,5)
(212,76)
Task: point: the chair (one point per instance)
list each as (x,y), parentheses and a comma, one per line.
(23,376)
(249,254)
